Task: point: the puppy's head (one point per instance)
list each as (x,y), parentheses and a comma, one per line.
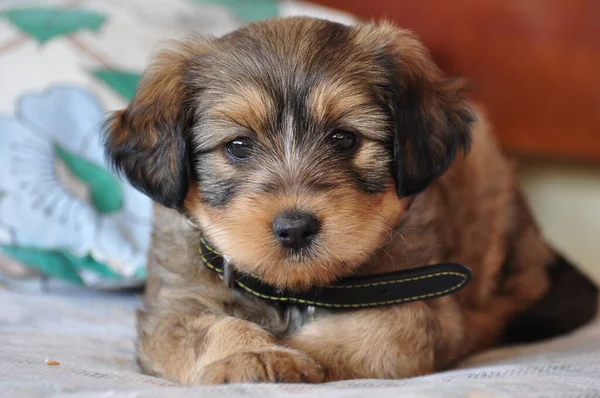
(295,144)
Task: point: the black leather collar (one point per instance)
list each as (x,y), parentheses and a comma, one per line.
(353,292)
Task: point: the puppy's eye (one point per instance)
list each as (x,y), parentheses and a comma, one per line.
(239,148)
(343,141)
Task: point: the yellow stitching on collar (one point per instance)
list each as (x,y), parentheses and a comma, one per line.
(415,278)
(209,265)
(214,252)
(209,247)
(362,305)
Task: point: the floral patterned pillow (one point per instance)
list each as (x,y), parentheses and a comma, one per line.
(64,65)
(62,211)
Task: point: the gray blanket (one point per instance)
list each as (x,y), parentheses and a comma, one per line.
(92,336)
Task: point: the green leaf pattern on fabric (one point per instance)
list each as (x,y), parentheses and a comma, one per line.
(59,264)
(45,23)
(105,191)
(248,10)
(123,82)
(89,263)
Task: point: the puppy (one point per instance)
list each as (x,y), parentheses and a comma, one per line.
(353,137)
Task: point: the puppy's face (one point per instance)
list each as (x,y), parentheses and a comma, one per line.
(295,144)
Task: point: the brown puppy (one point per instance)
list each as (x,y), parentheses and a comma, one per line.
(355,134)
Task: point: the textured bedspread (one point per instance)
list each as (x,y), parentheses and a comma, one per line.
(92,336)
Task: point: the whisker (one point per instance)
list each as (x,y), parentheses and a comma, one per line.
(390,256)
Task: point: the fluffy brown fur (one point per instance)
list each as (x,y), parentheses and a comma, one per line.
(405,196)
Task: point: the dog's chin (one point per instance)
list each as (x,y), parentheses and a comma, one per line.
(299,271)
(329,258)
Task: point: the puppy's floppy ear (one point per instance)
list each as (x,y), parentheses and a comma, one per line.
(432,121)
(147,141)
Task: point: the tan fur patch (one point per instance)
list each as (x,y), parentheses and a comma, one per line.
(388,352)
(249,106)
(348,106)
(368,155)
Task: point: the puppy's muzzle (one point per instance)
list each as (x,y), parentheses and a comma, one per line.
(296,230)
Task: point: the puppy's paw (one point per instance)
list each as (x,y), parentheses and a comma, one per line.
(277,364)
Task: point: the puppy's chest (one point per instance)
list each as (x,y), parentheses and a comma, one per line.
(278,318)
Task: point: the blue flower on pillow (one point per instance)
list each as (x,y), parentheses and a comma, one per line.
(56,192)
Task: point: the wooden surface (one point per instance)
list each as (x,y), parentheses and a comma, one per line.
(534,64)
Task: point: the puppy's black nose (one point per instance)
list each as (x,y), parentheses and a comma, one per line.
(295,230)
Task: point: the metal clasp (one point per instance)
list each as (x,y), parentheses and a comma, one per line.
(228,272)
(297,316)
(310,313)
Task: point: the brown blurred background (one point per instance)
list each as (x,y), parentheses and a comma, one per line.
(534,64)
